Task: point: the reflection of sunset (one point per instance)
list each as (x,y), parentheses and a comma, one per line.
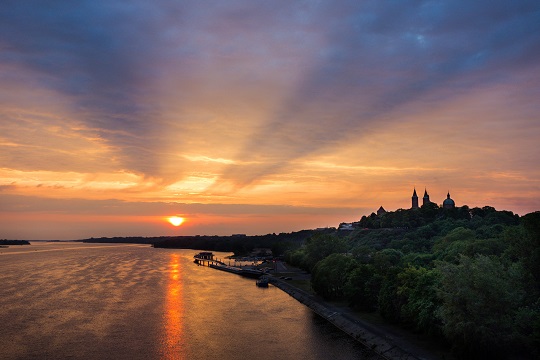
(272,126)
(174,311)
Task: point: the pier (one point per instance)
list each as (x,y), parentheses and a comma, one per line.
(207,258)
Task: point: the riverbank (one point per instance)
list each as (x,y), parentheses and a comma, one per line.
(388,341)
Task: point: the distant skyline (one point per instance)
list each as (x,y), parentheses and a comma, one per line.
(261,116)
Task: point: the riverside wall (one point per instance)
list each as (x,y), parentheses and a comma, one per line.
(379,344)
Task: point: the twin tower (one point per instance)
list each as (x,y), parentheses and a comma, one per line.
(447,203)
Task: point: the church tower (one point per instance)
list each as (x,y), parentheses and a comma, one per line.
(414,200)
(448,203)
(425,199)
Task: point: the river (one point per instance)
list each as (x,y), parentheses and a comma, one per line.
(110,301)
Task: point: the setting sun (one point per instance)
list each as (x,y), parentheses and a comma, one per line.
(175,220)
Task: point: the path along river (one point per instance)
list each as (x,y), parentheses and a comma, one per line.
(89,301)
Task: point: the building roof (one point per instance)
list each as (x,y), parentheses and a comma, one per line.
(448,201)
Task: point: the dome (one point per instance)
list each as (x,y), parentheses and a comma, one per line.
(448,203)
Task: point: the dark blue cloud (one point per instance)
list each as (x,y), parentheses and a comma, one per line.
(364,59)
(381,55)
(100,55)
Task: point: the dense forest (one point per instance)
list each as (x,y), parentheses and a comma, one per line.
(14,242)
(240,245)
(469,277)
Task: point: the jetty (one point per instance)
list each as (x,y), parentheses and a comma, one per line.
(207,258)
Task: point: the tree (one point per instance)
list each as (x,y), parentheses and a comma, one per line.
(386,259)
(531,259)
(389,300)
(330,275)
(418,286)
(320,246)
(362,287)
(450,247)
(480,298)
(297,258)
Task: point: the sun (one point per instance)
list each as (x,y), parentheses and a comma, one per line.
(175,220)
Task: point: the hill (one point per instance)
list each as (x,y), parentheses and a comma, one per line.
(469,277)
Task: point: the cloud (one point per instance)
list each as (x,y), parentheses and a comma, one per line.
(96,55)
(378,57)
(255,85)
(112,207)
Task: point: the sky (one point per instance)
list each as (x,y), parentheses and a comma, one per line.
(252,116)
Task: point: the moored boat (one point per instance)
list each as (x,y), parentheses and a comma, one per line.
(262,282)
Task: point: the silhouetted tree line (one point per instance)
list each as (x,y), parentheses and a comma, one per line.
(124,240)
(469,277)
(238,244)
(14,242)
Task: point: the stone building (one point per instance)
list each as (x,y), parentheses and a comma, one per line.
(425,199)
(414,200)
(448,203)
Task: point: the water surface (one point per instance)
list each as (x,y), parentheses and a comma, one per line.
(96,301)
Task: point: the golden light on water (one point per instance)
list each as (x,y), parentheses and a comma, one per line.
(174,312)
(175,220)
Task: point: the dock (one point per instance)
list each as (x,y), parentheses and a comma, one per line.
(207,258)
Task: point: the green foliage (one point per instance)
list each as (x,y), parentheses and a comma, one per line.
(449,247)
(363,254)
(489,216)
(390,301)
(280,247)
(387,259)
(530,246)
(480,297)
(240,245)
(469,276)
(376,239)
(527,328)
(297,258)
(319,247)
(362,287)
(418,286)
(461,241)
(419,259)
(489,231)
(330,275)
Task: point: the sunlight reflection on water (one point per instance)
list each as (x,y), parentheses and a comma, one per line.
(93,301)
(174,312)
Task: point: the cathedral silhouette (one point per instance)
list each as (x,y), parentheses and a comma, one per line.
(448,203)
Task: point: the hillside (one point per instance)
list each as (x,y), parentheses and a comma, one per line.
(470,277)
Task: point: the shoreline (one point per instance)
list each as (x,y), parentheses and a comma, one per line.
(386,341)
(385,348)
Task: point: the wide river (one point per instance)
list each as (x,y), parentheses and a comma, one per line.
(95,301)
